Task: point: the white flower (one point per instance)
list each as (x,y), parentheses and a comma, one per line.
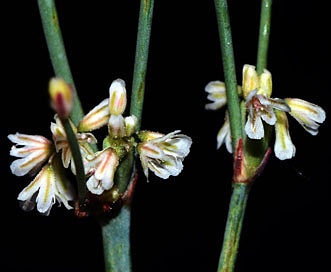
(283,148)
(96,118)
(216,94)
(34,151)
(261,108)
(49,186)
(163,154)
(307,114)
(224,135)
(256,90)
(61,143)
(103,168)
(117,97)
(109,112)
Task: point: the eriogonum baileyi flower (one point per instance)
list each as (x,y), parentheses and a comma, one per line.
(35,153)
(102,167)
(32,150)
(109,112)
(50,185)
(61,143)
(47,160)
(224,134)
(256,91)
(96,172)
(163,154)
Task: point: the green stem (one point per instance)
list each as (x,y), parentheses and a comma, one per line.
(255,150)
(264,34)
(140,66)
(52,32)
(116,242)
(233,227)
(116,231)
(77,157)
(229,70)
(240,191)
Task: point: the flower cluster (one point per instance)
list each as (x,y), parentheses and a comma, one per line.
(49,160)
(256,91)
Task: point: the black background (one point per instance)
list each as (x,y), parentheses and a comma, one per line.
(177,224)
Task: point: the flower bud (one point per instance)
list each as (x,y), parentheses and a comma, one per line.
(265,83)
(62,97)
(250,79)
(117,97)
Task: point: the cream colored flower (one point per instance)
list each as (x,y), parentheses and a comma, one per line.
(256,90)
(50,185)
(163,154)
(61,143)
(32,150)
(103,167)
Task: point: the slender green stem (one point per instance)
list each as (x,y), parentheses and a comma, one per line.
(52,32)
(264,34)
(229,70)
(241,190)
(233,227)
(140,66)
(256,150)
(77,157)
(53,35)
(116,232)
(116,242)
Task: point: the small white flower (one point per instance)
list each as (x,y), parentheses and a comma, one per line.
(117,97)
(49,186)
(261,108)
(130,123)
(103,168)
(309,115)
(116,126)
(95,118)
(216,94)
(224,135)
(163,154)
(283,148)
(61,143)
(34,151)
(256,90)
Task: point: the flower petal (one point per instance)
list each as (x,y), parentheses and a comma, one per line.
(250,79)
(217,94)
(265,83)
(283,148)
(117,97)
(96,118)
(224,135)
(33,150)
(254,127)
(169,166)
(307,114)
(105,164)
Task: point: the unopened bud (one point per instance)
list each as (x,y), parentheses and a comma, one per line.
(62,97)
(117,97)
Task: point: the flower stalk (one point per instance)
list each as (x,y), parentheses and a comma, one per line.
(249,159)
(141,57)
(233,228)
(57,52)
(116,232)
(115,227)
(264,33)
(224,28)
